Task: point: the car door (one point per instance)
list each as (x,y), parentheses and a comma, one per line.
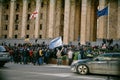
(99,64)
(114,65)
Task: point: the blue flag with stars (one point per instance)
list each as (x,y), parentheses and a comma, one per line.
(102,12)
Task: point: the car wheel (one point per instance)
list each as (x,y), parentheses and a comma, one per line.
(82,69)
(2,64)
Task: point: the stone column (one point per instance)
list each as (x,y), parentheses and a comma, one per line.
(83,22)
(58,18)
(102,21)
(52,16)
(72,21)
(24,18)
(45,15)
(113,19)
(77,20)
(118,29)
(93,20)
(37,21)
(66,22)
(0,19)
(88,20)
(12,15)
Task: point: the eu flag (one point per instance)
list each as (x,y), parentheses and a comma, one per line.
(102,12)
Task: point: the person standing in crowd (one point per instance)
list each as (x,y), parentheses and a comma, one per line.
(40,56)
(46,56)
(82,52)
(70,56)
(31,55)
(34,56)
(59,56)
(79,56)
(11,54)
(25,55)
(17,56)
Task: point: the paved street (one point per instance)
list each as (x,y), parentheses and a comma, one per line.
(13,71)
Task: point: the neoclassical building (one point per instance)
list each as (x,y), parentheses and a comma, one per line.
(74,20)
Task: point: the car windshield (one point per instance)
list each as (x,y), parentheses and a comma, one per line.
(103,57)
(2,49)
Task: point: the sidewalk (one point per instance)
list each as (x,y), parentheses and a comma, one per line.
(45,65)
(55,65)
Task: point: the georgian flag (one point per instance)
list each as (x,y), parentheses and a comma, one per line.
(34,14)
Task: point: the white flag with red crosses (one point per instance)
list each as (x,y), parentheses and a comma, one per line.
(34,14)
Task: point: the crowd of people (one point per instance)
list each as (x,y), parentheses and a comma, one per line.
(39,54)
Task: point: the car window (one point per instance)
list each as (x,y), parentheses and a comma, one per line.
(2,49)
(104,57)
(116,57)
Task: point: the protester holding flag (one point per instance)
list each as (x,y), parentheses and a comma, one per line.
(59,56)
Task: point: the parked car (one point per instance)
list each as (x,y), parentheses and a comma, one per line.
(4,56)
(107,63)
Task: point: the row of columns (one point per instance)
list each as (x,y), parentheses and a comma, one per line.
(24,18)
(69,22)
(37,20)
(69,19)
(87,27)
(86,23)
(109,26)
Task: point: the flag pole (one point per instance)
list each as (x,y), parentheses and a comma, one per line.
(108,29)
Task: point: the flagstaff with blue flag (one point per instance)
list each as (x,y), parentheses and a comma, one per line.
(102,12)
(55,43)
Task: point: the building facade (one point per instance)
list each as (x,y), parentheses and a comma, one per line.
(74,20)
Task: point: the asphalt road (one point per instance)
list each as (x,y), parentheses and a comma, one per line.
(13,71)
